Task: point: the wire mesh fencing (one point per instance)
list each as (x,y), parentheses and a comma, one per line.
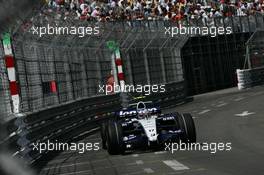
(57,68)
(52,75)
(255,50)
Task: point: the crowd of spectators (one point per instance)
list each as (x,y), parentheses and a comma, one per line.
(112,10)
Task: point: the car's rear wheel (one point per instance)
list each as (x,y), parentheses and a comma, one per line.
(187,125)
(114,138)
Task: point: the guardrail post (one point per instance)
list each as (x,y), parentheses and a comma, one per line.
(178,61)
(118,71)
(146,66)
(129,69)
(176,54)
(117,64)
(98,72)
(248,57)
(114,72)
(5,104)
(84,75)
(163,69)
(11,72)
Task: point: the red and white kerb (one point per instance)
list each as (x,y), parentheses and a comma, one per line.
(11,72)
(119,66)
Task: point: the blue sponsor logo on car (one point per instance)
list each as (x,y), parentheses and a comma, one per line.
(134,112)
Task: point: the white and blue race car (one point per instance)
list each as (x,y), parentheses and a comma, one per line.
(142,125)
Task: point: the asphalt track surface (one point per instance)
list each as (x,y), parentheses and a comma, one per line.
(223,116)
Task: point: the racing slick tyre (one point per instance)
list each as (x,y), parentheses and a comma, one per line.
(114,138)
(103,135)
(186,124)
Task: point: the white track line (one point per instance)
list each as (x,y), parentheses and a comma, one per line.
(190,171)
(220,105)
(148,170)
(134,155)
(204,111)
(239,98)
(139,162)
(78,172)
(160,152)
(90,131)
(256,94)
(68,165)
(175,165)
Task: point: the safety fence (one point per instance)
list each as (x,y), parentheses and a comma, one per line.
(149,55)
(55,75)
(77,73)
(255,49)
(55,69)
(69,67)
(210,63)
(63,123)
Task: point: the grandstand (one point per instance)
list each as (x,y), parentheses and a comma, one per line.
(175,10)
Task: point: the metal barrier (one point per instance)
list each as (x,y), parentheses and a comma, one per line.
(63,123)
(244,79)
(248,78)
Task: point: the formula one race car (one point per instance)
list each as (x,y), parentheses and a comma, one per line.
(142,125)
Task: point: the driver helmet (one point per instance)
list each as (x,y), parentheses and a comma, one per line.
(141,110)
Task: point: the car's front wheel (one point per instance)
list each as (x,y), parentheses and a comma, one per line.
(103,135)
(114,138)
(187,125)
